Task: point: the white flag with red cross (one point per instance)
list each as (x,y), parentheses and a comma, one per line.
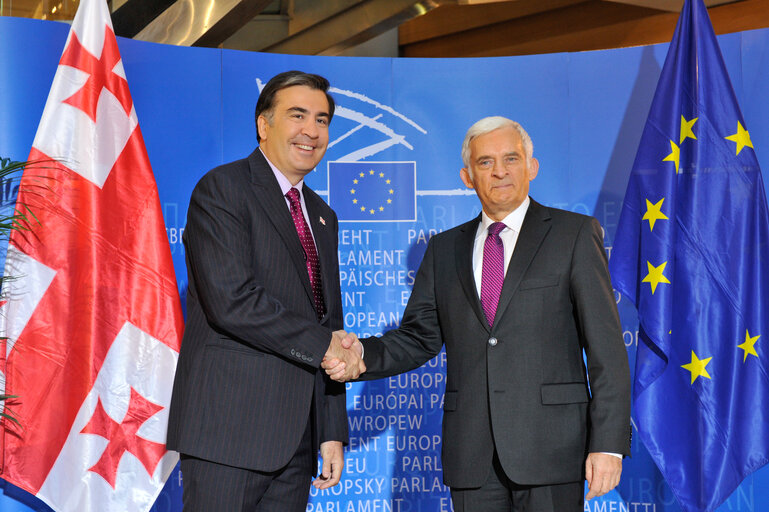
(91,314)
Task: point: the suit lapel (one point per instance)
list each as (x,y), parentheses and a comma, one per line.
(324,242)
(464,251)
(535,226)
(270,199)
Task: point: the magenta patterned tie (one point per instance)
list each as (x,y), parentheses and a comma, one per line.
(493,274)
(310,253)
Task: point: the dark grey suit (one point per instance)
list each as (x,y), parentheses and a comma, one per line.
(520,385)
(247,381)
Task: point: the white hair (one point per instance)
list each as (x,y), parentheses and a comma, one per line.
(489,124)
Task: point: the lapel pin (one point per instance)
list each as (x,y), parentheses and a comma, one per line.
(323,221)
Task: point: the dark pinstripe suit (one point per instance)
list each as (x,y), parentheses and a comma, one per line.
(247,380)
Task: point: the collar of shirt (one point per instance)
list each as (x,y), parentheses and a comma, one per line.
(285,186)
(509,236)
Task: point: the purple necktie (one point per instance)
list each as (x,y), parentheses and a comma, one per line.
(311,254)
(493,274)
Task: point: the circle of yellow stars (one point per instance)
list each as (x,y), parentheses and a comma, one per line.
(361,176)
(654,211)
(741,140)
(697,366)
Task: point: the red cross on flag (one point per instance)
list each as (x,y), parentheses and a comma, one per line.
(92,318)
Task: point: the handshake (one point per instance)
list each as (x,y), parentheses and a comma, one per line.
(344,359)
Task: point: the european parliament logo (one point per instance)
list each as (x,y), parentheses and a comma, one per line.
(373,191)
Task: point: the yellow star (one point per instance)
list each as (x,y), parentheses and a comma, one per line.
(655,277)
(391,191)
(686,129)
(741,138)
(674,156)
(352,191)
(697,367)
(654,213)
(381,175)
(387,181)
(355,181)
(381,208)
(389,201)
(749,346)
(372,211)
(362,175)
(363,208)
(371,172)
(354,201)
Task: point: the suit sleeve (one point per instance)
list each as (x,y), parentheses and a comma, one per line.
(418,339)
(333,420)
(220,255)
(601,338)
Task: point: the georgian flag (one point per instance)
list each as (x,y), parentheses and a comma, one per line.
(92,315)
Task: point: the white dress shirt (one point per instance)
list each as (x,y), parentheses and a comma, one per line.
(285,186)
(509,236)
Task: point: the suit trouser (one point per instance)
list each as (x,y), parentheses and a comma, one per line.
(212,487)
(500,494)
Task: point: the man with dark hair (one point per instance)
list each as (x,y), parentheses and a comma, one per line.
(250,407)
(516,295)
(266,101)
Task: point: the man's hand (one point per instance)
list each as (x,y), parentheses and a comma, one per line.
(332,454)
(602,472)
(343,360)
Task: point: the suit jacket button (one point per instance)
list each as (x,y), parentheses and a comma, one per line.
(493,341)
(293,352)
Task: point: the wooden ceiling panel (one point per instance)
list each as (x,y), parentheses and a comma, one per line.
(667,5)
(450,19)
(521,27)
(551,31)
(435,28)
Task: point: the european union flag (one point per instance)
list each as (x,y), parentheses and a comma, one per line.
(373,191)
(692,253)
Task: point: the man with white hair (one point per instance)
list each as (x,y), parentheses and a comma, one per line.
(516,295)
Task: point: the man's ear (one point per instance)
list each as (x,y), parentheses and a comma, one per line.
(262,127)
(466,179)
(533,168)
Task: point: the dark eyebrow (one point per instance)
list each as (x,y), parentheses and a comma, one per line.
(305,111)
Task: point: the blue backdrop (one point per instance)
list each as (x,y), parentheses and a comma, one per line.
(584,111)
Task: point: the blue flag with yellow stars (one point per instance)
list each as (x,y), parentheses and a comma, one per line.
(692,253)
(373,191)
